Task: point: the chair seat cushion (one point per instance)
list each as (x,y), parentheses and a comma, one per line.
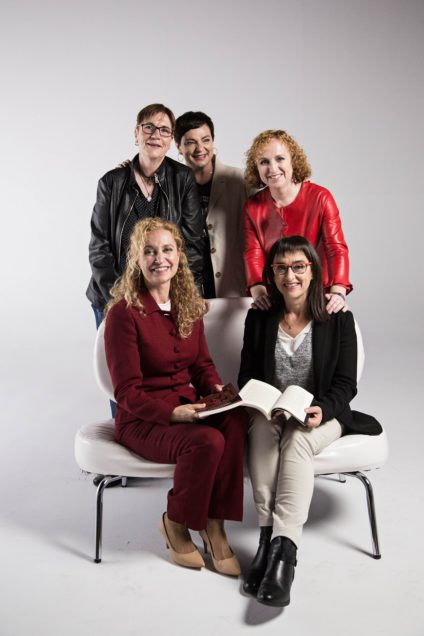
(352,453)
(97,451)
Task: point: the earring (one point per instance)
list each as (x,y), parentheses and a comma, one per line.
(136,143)
(180,157)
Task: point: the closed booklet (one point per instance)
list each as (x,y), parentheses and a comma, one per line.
(263,397)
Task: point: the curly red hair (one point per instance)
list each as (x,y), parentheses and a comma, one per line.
(301,167)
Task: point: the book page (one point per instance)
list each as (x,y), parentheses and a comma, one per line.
(295,400)
(260,395)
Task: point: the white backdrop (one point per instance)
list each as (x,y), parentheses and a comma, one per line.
(345,78)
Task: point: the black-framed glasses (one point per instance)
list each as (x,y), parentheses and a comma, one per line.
(150,129)
(280,269)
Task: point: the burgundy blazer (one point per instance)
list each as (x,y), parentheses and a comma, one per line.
(151,367)
(313,214)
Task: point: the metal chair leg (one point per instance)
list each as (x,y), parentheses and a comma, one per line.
(104,483)
(371,511)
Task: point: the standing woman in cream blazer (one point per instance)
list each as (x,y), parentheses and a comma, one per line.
(222,197)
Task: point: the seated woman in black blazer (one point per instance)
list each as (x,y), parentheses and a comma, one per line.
(294,342)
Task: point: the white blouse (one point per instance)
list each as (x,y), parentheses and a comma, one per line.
(291,344)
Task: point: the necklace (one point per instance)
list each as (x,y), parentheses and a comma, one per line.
(204,177)
(145,181)
(289,326)
(298,323)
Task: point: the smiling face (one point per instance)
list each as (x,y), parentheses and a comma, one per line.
(158,259)
(153,146)
(197,147)
(274,164)
(293,287)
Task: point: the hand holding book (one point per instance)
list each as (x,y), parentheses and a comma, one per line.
(314,416)
(217,402)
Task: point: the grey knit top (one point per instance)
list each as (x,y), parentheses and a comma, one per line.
(296,368)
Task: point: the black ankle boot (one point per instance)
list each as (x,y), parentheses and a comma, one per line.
(259,563)
(278,578)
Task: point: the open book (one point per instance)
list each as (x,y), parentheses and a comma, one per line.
(262,397)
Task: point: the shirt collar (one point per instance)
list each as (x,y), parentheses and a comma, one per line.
(149,303)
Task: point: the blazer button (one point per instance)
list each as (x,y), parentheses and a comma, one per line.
(218,274)
(213,250)
(177,349)
(210,226)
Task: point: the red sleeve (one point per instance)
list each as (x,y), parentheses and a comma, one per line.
(125,366)
(335,247)
(254,256)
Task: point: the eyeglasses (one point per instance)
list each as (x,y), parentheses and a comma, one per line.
(150,129)
(297,268)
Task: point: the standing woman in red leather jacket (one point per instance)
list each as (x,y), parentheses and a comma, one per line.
(290,205)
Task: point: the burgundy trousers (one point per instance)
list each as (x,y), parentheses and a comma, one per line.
(209,454)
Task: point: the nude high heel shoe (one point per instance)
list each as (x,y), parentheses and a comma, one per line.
(188,560)
(229,566)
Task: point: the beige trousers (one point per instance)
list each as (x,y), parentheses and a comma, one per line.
(280,459)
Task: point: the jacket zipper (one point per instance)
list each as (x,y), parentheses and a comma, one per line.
(157,180)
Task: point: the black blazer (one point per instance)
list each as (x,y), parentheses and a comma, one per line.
(334,350)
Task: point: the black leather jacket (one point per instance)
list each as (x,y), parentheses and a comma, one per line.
(116,195)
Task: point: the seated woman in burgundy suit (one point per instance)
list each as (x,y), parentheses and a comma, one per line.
(286,205)
(160,366)
(295,342)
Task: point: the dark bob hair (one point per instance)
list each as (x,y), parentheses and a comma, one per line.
(189,120)
(316,299)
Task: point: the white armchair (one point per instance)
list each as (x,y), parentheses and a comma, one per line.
(97,452)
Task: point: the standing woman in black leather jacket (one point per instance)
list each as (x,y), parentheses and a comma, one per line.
(151,185)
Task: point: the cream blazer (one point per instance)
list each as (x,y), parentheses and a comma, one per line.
(225,229)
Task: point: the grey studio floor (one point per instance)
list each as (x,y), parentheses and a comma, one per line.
(50,584)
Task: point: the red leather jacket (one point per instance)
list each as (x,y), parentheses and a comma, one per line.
(313,214)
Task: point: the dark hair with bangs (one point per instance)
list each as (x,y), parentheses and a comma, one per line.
(189,120)
(316,299)
(154,109)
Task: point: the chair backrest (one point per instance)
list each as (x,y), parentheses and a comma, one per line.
(361,352)
(224,328)
(101,371)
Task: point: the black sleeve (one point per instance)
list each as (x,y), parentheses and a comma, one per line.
(101,257)
(251,365)
(343,384)
(192,228)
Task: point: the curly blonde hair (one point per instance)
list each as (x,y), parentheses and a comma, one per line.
(301,167)
(185,298)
